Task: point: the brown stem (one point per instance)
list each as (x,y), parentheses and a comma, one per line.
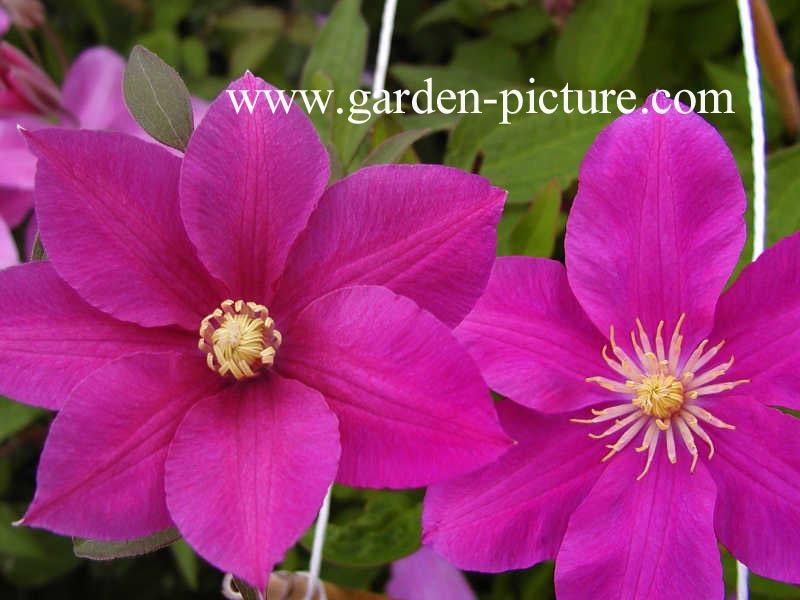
(777,68)
(291,586)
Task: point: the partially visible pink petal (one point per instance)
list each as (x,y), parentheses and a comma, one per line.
(50,339)
(652,538)
(513,513)
(15,205)
(424,231)
(17,163)
(427,576)
(5,22)
(248,184)
(759,319)
(656,227)
(92,92)
(199,109)
(247,473)
(9,255)
(107,206)
(757,470)
(101,474)
(402,387)
(532,340)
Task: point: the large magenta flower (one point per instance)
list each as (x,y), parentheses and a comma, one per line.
(686,449)
(322,316)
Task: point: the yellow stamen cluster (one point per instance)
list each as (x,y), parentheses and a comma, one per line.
(239,339)
(662,392)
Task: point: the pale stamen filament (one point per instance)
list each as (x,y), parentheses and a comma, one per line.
(625,438)
(688,440)
(671,455)
(650,444)
(660,342)
(607,414)
(617,426)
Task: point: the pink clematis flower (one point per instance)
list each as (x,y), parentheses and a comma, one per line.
(684,447)
(241,336)
(425,575)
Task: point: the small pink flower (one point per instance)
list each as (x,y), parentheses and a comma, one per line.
(27,14)
(626,344)
(559,8)
(425,575)
(91,98)
(242,335)
(24,87)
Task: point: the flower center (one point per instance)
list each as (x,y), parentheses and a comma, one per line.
(660,395)
(239,339)
(663,393)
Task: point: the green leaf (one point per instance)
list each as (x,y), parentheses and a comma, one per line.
(535,233)
(340,53)
(253,19)
(523,156)
(392,149)
(186,560)
(783,172)
(158,99)
(194,57)
(466,12)
(386,529)
(521,26)
(734,80)
(601,41)
(97,550)
(15,416)
(31,557)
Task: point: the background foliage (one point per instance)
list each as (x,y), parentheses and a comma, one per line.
(487,45)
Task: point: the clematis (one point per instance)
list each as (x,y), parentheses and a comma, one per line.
(24,87)
(674,384)
(425,575)
(5,22)
(225,337)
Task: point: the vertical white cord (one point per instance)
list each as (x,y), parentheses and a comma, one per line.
(757,125)
(384,47)
(381,66)
(316,550)
(759,183)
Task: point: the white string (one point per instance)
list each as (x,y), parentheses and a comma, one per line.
(384,47)
(757,125)
(316,550)
(759,182)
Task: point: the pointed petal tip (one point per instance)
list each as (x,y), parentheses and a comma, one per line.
(19,522)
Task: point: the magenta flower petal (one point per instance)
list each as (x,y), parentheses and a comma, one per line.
(55,339)
(657,225)
(532,339)
(425,575)
(110,485)
(759,317)
(424,231)
(525,496)
(757,470)
(647,539)
(402,387)
(248,185)
(107,206)
(247,472)
(9,255)
(92,92)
